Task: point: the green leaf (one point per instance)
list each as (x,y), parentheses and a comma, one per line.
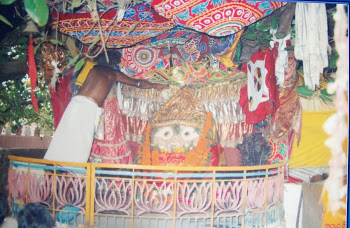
(325,98)
(79,65)
(53,41)
(22,40)
(7,2)
(330,80)
(76,4)
(261,47)
(303,91)
(265,28)
(250,36)
(3,19)
(97,38)
(37,47)
(263,42)
(289,48)
(266,35)
(279,35)
(259,24)
(274,22)
(37,11)
(333,60)
(325,93)
(251,27)
(72,61)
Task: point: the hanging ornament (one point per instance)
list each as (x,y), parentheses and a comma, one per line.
(53,61)
(32,71)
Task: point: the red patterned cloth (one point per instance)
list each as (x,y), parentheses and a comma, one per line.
(140,60)
(267,107)
(81,26)
(60,96)
(216,18)
(113,149)
(279,151)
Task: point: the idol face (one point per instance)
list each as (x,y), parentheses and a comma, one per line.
(175,137)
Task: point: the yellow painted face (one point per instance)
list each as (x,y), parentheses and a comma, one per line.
(175,137)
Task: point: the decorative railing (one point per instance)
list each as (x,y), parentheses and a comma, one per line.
(106,195)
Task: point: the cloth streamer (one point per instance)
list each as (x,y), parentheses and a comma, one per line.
(311,40)
(32,72)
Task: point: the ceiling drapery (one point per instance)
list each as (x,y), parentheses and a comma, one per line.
(162,22)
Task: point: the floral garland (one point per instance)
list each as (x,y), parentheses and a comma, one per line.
(144,151)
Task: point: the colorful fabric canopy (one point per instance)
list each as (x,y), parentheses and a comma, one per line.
(139,60)
(117,35)
(161,22)
(175,36)
(215,17)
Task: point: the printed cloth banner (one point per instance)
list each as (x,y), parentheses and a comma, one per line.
(216,18)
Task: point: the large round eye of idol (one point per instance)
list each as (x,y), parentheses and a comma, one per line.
(165,133)
(188,133)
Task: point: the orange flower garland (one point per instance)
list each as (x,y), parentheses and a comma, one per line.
(144,151)
(198,155)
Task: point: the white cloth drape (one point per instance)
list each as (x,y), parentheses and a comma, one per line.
(73,137)
(311,40)
(282,59)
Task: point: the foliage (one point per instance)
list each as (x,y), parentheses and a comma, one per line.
(255,150)
(16,107)
(15,99)
(37,10)
(261,32)
(14,46)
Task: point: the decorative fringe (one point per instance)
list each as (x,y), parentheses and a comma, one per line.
(231,134)
(134,128)
(139,103)
(220,99)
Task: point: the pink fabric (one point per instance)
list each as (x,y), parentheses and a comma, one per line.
(113,149)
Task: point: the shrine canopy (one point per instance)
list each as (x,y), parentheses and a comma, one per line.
(159,22)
